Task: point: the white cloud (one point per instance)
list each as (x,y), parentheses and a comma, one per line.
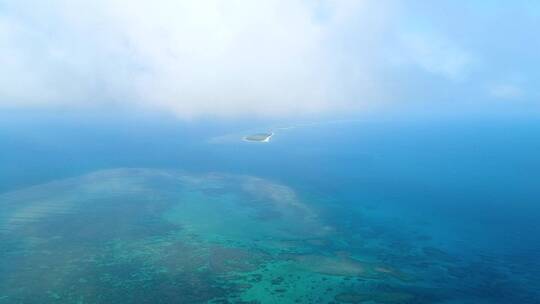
(436,54)
(231,58)
(193,58)
(506,91)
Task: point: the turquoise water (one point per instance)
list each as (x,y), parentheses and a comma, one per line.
(148,210)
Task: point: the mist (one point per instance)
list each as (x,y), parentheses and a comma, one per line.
(268,58)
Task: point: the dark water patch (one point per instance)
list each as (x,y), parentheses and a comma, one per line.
(438,254)
(388,294)
(228,259)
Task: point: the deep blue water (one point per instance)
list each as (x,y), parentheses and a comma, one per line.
(469,188)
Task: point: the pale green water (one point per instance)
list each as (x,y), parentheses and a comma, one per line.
(140,235)
(155,234)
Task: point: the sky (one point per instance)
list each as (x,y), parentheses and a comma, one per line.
(270,58)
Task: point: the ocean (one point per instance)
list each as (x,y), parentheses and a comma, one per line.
(142,209)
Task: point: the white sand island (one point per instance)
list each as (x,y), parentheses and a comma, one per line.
(259,137)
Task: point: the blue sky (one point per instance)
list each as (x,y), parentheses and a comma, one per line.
(270,58)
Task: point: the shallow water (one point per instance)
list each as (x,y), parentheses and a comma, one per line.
(355,212)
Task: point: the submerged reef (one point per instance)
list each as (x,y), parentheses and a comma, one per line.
(159,236)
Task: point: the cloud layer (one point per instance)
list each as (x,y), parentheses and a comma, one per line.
(231,58)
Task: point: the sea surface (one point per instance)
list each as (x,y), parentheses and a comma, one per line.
(97,209)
